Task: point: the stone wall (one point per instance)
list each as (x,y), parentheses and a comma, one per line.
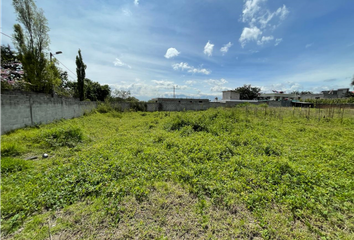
(21,109)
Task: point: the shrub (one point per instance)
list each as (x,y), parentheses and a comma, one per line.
(59,137)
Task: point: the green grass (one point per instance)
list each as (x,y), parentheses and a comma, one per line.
(241,173)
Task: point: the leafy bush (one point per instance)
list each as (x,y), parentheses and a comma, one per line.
(59,137)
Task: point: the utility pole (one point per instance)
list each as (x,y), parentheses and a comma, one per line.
(174,91)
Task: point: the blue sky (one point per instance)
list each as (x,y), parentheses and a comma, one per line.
(202,46)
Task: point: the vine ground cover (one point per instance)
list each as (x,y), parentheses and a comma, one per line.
(246,172)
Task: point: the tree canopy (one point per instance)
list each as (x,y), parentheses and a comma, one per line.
(247,92)
(80,72)
(31,40)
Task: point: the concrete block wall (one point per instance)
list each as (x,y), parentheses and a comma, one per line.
(21,109)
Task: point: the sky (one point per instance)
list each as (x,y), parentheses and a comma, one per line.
(201,47)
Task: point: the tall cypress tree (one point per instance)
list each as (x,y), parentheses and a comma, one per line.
(80,72)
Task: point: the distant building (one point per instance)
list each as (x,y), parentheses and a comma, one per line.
(230,95)
(279,96)
(339,93)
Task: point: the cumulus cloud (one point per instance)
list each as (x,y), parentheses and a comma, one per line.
(249,34)
(216,85)
(119,63)
(171,52)
(264,40)
(277,41)
(136,2)
(260,20)
(208,49)
(154,88)
(250,8)
(225,48)
(184,66)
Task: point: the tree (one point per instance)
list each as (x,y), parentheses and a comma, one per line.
(95,91)
(121,94)
(80,72)
(31,40)
(11,69)
(247,92)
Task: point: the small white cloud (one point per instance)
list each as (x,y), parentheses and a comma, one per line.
(184,66)
(249,34)
(191,82)
(208,49)
(226,48)
(136,2)
(119,63)
(181,66)
(171,52)
(217,85)
(200,70)
(308,45)
(282,12)
(127,12)
(218,89)
(277,41)
(264,40)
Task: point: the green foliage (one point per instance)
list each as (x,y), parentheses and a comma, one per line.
(286,172)
(331,101)
(59,137)
(10,149)
(247,92)
(96,92)
(80,72)
(31,40)
(12,165)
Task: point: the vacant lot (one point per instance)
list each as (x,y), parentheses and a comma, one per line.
(244,173)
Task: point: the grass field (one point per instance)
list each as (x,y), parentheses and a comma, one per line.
(242,173)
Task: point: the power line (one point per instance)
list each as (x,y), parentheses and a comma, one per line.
(53,56)
(7,35)
(65,66)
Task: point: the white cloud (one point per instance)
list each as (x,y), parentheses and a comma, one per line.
(250,9)
(208,49)
(218,88)
(216,85)
(282,12)
(164,84)
(181,66)
(264,40)
(191,82)
(216,82)
(249,34)
(127,12)
(225,48)
(119,63)
(308,45)
(171,52)
(152,89)
(277,41)
(259,17)
(136,2)
(184,66)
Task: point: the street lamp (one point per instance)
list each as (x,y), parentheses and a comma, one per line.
(51,60)
(56,53)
